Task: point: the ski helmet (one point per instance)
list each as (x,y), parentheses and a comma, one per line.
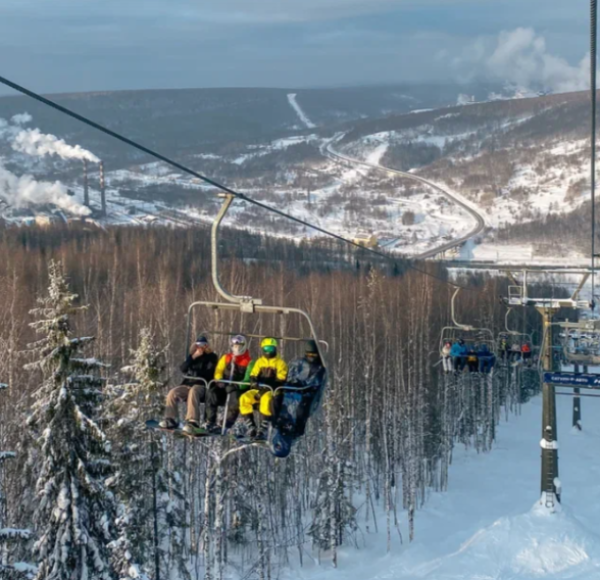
(311,351)
(269,347)
(239,344)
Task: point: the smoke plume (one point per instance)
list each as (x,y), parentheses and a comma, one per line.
(34,142)
(21,119)
(520,57)
(24,191)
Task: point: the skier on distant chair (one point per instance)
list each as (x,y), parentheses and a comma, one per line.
(269,370)
(232,367)
(458,352)
(446,357)
(198,368)
(486,359)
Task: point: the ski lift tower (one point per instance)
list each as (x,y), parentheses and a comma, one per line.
(518,295)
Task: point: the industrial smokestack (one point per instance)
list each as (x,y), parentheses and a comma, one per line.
(86,191)
(102,189)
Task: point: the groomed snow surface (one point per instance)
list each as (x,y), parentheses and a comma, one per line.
(489,525)
(301,114)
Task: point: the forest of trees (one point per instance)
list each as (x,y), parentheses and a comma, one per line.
(92,329)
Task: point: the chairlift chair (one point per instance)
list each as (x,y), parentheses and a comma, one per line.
(468,333)
(514,336)
(248,307)
(580,348)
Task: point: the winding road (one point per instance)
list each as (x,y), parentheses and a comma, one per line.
(330,153)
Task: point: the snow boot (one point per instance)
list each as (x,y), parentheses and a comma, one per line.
(247,427)
(263,430)
(211,428)
(191,427)
(169,423)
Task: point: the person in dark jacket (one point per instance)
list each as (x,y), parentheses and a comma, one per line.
(486,359)
(306,373)
(292,409)
(198,370)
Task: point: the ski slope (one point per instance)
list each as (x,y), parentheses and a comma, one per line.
(476,218)
(489,526)
(298,109)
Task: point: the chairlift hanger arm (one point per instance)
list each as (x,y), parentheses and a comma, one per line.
(247,301)
(585,278)
(453,313)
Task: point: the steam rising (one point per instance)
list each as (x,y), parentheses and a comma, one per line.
(21,119)
(520,57)
(24,191)
(34,142)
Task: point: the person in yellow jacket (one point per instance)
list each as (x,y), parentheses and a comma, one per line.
(271,370)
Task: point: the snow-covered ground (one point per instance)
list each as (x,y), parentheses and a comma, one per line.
(520,254)
(489,525)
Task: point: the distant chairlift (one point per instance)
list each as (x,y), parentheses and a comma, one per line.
(581,342)
(513,337)
(471,335)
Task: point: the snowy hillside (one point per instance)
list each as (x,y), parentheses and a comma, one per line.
(513,162)
(489,525)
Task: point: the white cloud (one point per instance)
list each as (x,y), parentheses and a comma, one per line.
(520,57)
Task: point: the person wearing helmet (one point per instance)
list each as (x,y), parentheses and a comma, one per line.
(308,374)
(270,370)
(198,369)
(446,358)
(231,369)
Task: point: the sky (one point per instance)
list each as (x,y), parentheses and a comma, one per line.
(93,45)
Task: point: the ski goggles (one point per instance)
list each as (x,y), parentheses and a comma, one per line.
(269,349)
(238,340)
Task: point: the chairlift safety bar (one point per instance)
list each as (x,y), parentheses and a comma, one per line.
(257,309)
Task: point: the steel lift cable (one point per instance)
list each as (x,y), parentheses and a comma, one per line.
(593,58)
(216,184)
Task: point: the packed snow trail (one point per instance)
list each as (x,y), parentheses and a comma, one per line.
(329,152)
(301,114)
(488,525)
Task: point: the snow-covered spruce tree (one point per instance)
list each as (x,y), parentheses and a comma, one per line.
(144,485)
(75,511)
(333,512)
(10,570)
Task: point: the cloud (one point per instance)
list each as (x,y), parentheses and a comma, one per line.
(520,57)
